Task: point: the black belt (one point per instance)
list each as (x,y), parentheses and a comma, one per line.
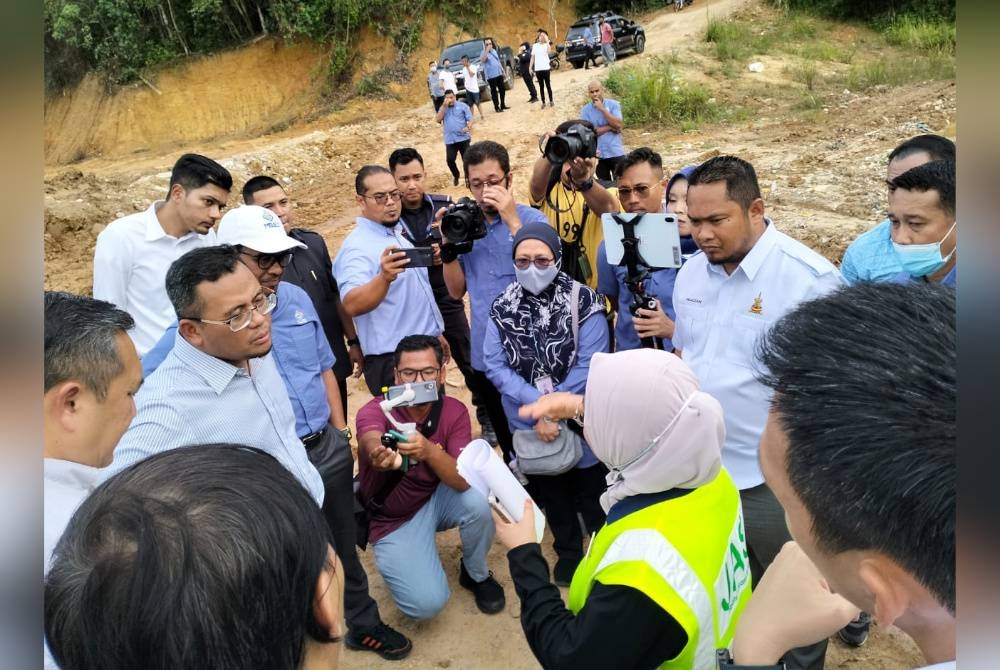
(312,439)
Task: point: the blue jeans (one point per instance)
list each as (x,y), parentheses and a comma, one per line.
(408,557)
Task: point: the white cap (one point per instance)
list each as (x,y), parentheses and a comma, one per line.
(256,228)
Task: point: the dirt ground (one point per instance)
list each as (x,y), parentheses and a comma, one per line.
(821,174)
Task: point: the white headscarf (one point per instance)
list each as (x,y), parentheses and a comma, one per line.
(645,418)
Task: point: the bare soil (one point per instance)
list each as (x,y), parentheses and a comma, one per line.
(821,173)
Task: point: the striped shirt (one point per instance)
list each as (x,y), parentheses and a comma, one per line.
(195,398)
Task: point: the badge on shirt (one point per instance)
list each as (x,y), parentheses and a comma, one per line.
(758,305)
(300,317)
(544,385)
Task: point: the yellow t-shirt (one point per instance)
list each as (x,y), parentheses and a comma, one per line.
(567,218)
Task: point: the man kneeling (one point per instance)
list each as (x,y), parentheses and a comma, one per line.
(407,507)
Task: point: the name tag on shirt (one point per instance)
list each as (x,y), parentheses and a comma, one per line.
(544,385)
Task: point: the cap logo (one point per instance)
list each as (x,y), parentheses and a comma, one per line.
(271,221)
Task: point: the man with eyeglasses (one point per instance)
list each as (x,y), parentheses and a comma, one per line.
(408,508)
(385,297)
(486,270)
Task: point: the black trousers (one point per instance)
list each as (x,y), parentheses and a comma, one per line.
(563,496)
(452,151)
(332,458)
(378,372)
(438,102)
(530,84)
(491,398)
(544,83)
(456,332)
(606,167)
(497,92)
(591,57)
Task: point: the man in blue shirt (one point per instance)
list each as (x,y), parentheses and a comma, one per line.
(588,44)
(455,118)
(923,225)
(489,60)
(434,86)
(487,270)
(386,299)
(605,115)
(871,257)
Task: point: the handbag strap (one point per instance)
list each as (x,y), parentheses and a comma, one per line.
(575,310)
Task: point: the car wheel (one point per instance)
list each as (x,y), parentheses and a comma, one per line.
(577,64)
(640,43)
(508,77)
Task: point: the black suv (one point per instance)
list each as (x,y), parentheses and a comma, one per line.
(629,36)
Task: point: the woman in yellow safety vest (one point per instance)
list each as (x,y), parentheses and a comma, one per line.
(665,579)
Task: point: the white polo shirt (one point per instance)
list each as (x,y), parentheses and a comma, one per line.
(720,317)
(130,269)
(447,79)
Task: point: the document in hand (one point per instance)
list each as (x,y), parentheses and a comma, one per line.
(485,471)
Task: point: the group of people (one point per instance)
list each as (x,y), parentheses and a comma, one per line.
(198,452)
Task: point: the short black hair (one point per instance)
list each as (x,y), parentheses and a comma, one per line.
(80,341)
(566,125)
(200,557)
(739,175)
(933,176)
(205,264)
(404,156)
(194,171)
(259,183)
(935,146)
(480,152)
(418,343)
(364,173)
(449,91)
(864,384)
(640,155)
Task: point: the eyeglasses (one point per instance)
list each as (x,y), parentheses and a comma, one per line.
(410,375)
(382,198)
(478,185)
(642,190)
(265,261)
(263,304)
(522,263)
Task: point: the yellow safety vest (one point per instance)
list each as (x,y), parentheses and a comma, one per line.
(689,555)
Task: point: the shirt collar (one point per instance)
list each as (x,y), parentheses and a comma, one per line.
(216,372)
(154,230)
(375,226)
(755,258)
(72,474)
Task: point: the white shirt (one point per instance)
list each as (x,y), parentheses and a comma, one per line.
(541,53)
(720,317)
(469,74)
(130,267)
(447,79)
(67,484)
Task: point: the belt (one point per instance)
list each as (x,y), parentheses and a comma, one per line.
(312,439)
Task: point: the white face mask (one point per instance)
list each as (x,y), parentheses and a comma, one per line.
(535,281)
(920,260)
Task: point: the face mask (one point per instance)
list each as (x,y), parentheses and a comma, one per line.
(535,281)
(920,260)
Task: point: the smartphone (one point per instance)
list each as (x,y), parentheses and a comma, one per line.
(420,257)
(424,392)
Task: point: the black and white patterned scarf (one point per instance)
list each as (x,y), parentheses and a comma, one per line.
(536,331)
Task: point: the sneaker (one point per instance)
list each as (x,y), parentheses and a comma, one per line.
(856,632)
(562,574)
(384,640)
(489,594)
(543,104)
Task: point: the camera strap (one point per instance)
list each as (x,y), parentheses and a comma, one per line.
(576,262)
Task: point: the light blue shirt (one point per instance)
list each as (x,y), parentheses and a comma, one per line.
(871,257)
(196,398)
(454,122)
(516,391)
(490,64)
(407,309)
(611,282)
(949,279)
(588,37)
(609,144)
(489,269)
(435,84)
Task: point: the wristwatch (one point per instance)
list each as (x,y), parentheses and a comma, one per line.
(585,185)
(724,661)
(346,432)
(353,342)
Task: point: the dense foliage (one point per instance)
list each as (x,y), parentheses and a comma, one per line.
(870,10)
(121,37)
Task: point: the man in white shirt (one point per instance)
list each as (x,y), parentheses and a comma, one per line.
(446,76)
(133,253)
(746,276)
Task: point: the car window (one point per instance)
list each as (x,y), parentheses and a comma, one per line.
(455,52)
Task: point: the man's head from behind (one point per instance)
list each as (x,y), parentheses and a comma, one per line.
(725,209)
(640,181)
(92,373)
(266,192)
(917,151)
(211,556)
(859,446)
(260,237)
(199,189)
(221,308)
(407,167)
(419,358)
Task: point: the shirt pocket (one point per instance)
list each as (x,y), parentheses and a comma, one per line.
(744,334)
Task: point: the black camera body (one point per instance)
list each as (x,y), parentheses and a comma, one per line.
(389,441)
(641,301)
(463,222)
(577,141)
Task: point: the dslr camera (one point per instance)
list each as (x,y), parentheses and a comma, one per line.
(577,141)
(463,222)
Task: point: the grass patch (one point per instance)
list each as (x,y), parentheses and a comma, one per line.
(655,94)
(917,32)
(730,40)
(806,74)
(899,71)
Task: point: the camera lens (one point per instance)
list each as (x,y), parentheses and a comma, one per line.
(559,149)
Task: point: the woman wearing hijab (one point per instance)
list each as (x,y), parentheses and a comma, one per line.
(530,350)
(675,202)
(666,578)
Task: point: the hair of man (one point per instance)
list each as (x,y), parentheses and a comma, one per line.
(935,146)
(201,556)
(258,183)
(418,343)
(80,341)
(364,173)
(193,171)
(637,156)
(933,176)
(871,444)
(404,156)
(206,264)
(740,177)
(480,152)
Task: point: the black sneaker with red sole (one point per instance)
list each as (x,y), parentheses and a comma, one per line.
(384,640)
